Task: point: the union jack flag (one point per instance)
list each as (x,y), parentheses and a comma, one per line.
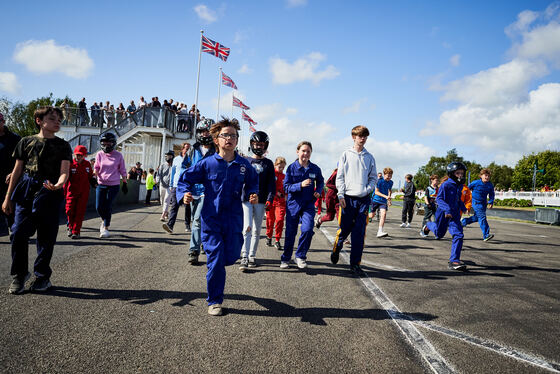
(227,81)
(245,117)
(252,129)
(239,103)
(214,48)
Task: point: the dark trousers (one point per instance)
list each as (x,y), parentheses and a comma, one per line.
(174,206)
(104,197)
(148,196)
(407,210)
(40,214)
(6,221)
(353,221)
(429,212)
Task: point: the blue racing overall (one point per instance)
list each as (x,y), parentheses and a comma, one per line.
(300,207)
(480,191)
(449,202)
(222,214)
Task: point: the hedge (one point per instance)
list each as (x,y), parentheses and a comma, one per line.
(521,203)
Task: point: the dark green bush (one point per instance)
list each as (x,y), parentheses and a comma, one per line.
(518,203)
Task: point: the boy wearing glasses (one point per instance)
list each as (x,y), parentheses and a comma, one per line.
(225,176)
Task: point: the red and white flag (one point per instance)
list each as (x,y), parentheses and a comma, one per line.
(227,81)
(239,103)
(214,48)
(252,129)
(245,117)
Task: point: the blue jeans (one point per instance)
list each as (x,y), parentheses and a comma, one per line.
(104,197)
(196,209)
(480,216)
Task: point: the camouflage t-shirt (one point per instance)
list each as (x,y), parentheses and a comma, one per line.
(42,157)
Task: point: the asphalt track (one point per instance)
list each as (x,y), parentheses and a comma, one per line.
(131,303)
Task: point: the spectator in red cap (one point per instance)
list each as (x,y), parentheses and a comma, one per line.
(77,191)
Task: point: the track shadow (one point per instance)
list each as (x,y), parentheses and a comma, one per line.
(272,308)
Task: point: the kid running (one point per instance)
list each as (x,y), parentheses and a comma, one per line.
(35,194)
(276,213)
(481,190)
(331,201)
(449,206)
(253,213)
(77,191)
(225,176)
(382,199)
(303,184)
(430,194)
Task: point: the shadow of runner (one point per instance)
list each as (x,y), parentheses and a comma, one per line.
(273,308)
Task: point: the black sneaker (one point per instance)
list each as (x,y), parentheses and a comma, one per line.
(18,284)
(252,262)
(457,265)
(269,242)
(40,285)
(334,256)
(356,269)
(193,258)
(423,232)
(278,246)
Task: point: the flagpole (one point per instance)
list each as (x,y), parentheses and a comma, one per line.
(198,76)
(219,89)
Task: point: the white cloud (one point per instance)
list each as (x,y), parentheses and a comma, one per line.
(303,69)
(9,83)
(245,69)
(295,3)
(455,60)
(205,14)
(505,84)
(536,35)
(355,107)
(42,57)
(507,131)
(497,113)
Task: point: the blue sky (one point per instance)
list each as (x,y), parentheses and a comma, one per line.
(425,77)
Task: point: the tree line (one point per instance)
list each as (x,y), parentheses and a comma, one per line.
(503,177)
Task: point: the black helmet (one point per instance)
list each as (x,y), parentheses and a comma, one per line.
(202,126)
(259,136)
(452,168)
(110,141)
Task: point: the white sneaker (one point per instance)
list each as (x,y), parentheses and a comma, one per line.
(284,265)
(102,227)
(382,234)
(407,225)
(104,233)
(215,310)
(301,263)
(403,224)
(252,262)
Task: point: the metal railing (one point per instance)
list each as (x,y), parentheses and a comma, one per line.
(123,122)
(119,119)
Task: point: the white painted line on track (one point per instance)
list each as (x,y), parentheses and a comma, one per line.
(388,267)
(436,362)
(427,351)
(492,346)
